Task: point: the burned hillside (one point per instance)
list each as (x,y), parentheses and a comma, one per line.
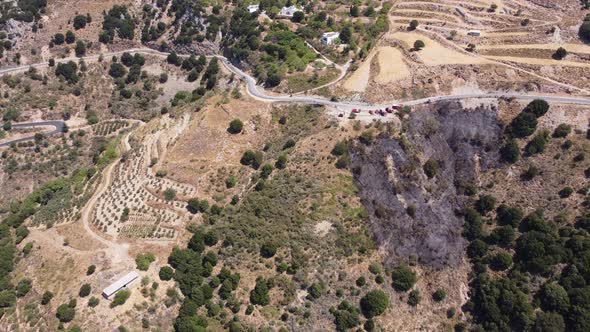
(413,185)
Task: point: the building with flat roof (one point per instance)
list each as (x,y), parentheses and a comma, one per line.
(253,8)
(328,38)
(476,33)
(124,282)
(289,11)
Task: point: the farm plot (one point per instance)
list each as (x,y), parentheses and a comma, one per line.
(138,204)
(109,127)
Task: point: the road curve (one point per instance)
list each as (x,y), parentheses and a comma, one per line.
(258,92)
(58,125)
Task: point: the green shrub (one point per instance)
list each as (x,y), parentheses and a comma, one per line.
(143,261)
(65,313)
(259,295)
(374,303)
(235,126)
(485,204)
(268,249)
(510,152)
(166,273)
(85,290)
(537,144)
(90,270)
(430,168)
(46,298)
(562,130)
(439,295)
(538,107)
(403,278)
(120,298)
(230,182)
(523,125)
(414,298)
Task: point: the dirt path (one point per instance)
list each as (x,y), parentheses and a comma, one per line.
(118,251)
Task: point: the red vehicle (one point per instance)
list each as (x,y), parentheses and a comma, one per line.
(382,113)
(354,110)
(388,110)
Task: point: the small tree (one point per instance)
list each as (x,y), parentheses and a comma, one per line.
(354,11)
(46,298)
(259,295)
(80,22)
(374,303)
(70,37)
(85,290)
(562,130)
(418,45)
(166,273)
(90,270)
(403,278)
(59,38)
(413,24)
(560,53)
(120,298)
(80,48)
(439,295)
(268,249)
(235,126)
(298,16)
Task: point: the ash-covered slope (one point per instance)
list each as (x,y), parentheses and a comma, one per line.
(413,216)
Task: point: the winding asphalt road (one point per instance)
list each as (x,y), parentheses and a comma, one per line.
(58,125)
(258,92)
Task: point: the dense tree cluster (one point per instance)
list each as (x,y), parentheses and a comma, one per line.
(117,20)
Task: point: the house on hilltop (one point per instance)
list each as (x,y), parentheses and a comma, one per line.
(289,11)
(328,38)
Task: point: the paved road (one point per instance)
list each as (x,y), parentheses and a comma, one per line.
(258,92)
(58,125)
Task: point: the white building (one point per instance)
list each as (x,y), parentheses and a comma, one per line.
(476,33)
(289,11)
(120,284)
(328,38)
(253,8)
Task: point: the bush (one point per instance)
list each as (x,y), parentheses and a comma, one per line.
(537,144)
(259,295)
(506,215)
(23,287)
(120,298)
(560,53)
(510,152)
(549,321)
(65,313)
(70,37)
(562,130)
(485,204)
(374,303)
(538,107)
(554,297)
(235,126)
(166,273)
(566,192)
(59,38)
(46,298)
(501,261)
(340,149)
(93,302)
(439,295)
(403,278)
(418,45)
(523,125)
(80,22)
(143,261)
(251,158)
(117,70)
(413,24)
(90,270)
(289,144)
(84,290)
(414,298)
(265,171)
(268,249)
(281,162)
(430,168)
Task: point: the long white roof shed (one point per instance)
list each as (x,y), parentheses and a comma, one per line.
(119,284)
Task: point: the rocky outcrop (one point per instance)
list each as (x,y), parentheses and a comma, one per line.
(412,216)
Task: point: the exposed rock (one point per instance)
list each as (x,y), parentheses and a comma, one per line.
(391,180)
